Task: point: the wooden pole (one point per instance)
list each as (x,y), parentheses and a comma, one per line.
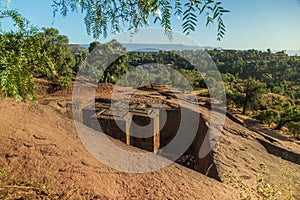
(156,133)
(128,119)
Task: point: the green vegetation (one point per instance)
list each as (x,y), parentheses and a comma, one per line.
(28,53)
(100,16)
(264,187)
(263,85)
(274,85)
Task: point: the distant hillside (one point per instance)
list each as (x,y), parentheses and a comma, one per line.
(293,52)
(77,47)
(167,47)
(158,47)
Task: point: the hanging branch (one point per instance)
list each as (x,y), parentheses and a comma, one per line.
(133,14)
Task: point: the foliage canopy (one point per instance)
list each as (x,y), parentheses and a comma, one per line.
(28,53)
(133,14)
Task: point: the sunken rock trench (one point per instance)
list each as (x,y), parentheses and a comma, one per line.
(110,122)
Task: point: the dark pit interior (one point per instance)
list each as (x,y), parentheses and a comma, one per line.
(102,115)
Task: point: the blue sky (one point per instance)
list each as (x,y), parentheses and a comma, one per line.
(258,24)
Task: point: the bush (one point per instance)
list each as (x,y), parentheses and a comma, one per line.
(28,53)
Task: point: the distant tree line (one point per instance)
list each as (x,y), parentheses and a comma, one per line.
(263,85)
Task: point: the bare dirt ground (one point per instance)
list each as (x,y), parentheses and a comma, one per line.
(39,143)
(41,156)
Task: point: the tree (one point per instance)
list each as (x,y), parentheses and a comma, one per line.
(56,48)
(116,46)
(268,116)
(15,77)
(288,114)
(132,14)
(252,89)
(28,53)
(80,54)
(93,45)
(18,52)
(294,128)
(21,23)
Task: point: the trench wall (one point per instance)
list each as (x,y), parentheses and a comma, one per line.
(168,131)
